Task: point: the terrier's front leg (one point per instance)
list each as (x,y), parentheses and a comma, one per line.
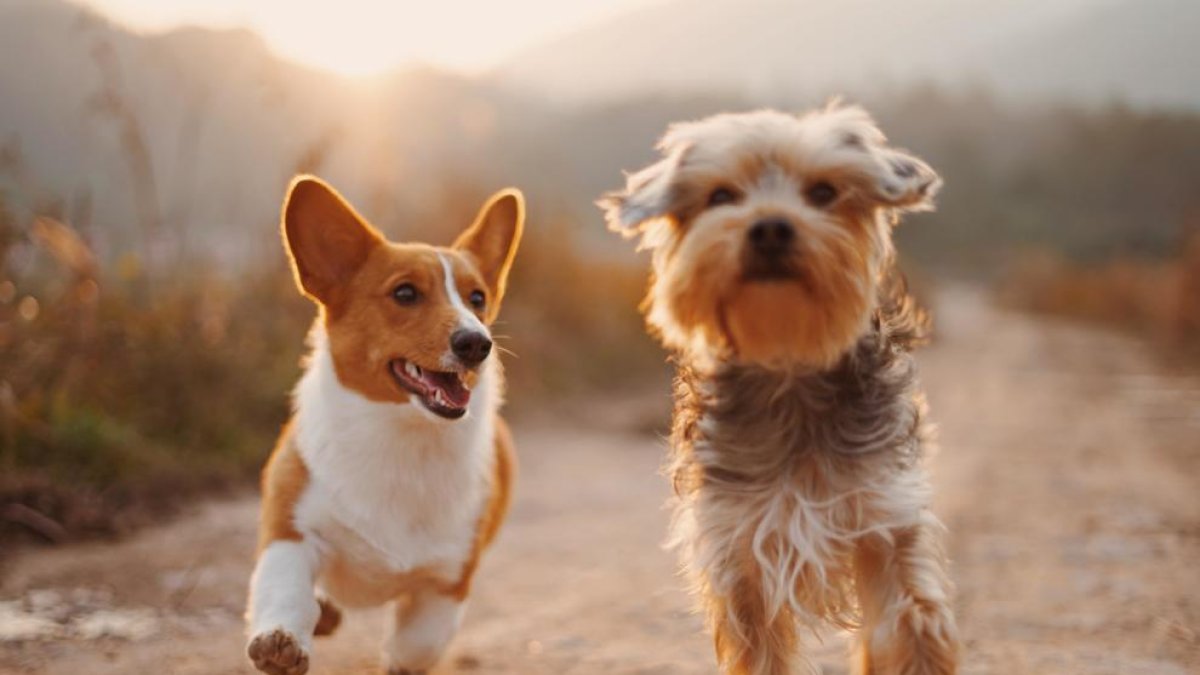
(749,638)
(908,625)
(418,630)
(283,609)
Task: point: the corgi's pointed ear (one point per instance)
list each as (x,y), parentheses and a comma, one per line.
(326,240)
(493,238)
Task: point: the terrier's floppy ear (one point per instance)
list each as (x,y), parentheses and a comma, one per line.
(904,181)
(893,178)
(326,240)
(493,238)
(648,193)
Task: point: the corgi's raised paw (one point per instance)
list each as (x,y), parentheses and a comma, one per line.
(278,653)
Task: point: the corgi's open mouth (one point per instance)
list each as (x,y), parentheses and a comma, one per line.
(442,393)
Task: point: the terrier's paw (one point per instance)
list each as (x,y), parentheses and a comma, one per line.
(920,638)
(278,653)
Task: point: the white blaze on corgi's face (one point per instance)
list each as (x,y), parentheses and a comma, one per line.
(406,323)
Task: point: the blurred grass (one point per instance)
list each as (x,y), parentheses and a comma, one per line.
(118,392)
(1158,299)
(137,377)
(123,395)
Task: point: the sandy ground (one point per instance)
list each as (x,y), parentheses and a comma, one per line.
(1068,477)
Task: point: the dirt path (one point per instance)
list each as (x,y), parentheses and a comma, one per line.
(1069,479)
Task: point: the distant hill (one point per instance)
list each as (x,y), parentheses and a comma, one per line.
(186,139)
(1083,51)
(1144,52)
(225,123)
(74,87)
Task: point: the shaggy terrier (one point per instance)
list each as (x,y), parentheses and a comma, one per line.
(799,424)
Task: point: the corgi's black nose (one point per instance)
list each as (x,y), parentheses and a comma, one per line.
(771,237)
(470,346)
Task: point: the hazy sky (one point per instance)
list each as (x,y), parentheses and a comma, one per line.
(369,36)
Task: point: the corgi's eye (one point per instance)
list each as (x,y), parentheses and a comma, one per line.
(821,194)
(721,196)
(405,294)
(477,299)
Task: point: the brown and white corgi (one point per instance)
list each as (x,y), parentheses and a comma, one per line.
(395,470)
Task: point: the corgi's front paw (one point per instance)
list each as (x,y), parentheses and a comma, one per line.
(278,652)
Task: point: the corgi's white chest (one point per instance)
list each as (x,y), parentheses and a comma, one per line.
(391,487)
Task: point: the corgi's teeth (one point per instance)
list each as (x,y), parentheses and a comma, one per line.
(412,369)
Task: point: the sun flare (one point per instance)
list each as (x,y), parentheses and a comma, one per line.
(369,37)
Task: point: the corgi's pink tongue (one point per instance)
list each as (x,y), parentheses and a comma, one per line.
(449,385)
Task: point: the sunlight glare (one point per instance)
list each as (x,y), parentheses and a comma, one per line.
(367,37)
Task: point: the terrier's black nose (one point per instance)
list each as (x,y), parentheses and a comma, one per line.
(772,236)
(472,347)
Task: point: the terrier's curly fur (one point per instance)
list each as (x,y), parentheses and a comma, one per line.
(799,425)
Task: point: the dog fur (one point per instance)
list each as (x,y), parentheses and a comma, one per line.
(799,424)
(385,487)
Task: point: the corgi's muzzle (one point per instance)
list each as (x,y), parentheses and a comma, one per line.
(443,393)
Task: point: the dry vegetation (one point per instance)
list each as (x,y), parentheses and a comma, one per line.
(1158,299)
(120,390)
(122,393)
(144,359)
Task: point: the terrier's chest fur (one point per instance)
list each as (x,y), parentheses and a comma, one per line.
(789,470)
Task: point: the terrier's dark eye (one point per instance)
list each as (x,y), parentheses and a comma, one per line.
(405,294)
(477,299)
(720,196)
(821,194)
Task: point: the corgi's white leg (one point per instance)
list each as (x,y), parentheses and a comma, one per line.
(283,608)
(418,630)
